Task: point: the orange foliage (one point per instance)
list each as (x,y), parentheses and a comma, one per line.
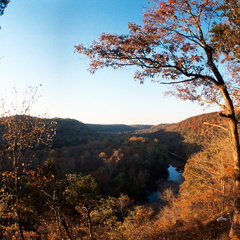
(139,139)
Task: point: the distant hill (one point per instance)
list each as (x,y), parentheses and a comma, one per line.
(68,131)
(188,136)
(116,128)
(196,129)
(71,132)
(183,138)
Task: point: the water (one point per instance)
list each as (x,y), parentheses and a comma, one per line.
(154,197)
(174,175)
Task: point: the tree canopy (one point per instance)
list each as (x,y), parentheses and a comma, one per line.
(3,5)
(226,33)
(179,44)
(174,44)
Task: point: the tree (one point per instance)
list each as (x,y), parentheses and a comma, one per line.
(83,193)
(226,33)
(175,43)
(22,135)
(3,5)
(209,179)
(52,192)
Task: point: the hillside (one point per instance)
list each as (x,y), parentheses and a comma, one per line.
(71,132)
(188,136)
(114,172)
(182,138)
(116,128)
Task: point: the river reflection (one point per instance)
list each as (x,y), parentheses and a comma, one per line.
(174,175)
(175,178)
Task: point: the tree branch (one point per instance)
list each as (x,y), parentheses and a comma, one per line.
(216,125)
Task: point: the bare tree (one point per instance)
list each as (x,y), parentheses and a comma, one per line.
(21,133)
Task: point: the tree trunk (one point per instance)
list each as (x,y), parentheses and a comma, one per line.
(229,113)
(19,223)
(66,229)
(16,193)
(235,227)
(89,223)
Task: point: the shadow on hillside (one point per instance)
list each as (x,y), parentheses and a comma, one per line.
(71,132)
(174,144)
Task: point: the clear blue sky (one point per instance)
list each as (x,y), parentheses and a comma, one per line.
(37,42)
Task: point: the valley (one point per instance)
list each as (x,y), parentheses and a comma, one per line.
(109,174)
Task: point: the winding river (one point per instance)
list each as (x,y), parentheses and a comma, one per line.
(175,178)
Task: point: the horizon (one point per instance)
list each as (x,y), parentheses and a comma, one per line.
(37,48)
(132,124)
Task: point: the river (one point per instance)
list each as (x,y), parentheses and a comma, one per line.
(174,180)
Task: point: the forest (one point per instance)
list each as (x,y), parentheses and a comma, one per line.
(62,179)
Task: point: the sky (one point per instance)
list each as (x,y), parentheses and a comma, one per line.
(37,40)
